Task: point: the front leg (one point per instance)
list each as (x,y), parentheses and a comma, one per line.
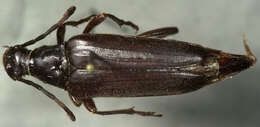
(90,106)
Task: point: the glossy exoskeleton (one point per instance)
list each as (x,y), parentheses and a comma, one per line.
(105,65)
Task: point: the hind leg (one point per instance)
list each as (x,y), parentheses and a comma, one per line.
(90,106)
(160,33)
(101,17)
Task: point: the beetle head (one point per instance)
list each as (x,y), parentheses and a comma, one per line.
(15,61)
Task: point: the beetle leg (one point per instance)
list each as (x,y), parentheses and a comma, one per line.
(93,23)
(101,17)
(66,15)
(160,33)
(51,96)
(61,30)
(61,34)
(76,23)
(90,106)
(75,101)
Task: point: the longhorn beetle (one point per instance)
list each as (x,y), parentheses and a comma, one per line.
(92,65)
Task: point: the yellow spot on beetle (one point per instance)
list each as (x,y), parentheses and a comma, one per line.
(90,68)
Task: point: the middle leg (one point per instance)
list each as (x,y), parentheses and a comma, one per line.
(97,19)
(62,29)
(101,17)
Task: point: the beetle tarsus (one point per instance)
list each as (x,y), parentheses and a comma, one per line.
(76,23)
(129,111)
(91,107)
(101,17)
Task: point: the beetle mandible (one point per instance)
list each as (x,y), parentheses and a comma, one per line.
(92,65)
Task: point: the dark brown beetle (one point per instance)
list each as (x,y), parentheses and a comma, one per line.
(106,65)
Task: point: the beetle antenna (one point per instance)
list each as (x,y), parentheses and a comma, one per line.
(51,96)
(66,15)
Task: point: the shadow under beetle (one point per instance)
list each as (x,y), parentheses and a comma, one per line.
(105,65)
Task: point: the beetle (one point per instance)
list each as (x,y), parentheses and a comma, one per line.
(92,65)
